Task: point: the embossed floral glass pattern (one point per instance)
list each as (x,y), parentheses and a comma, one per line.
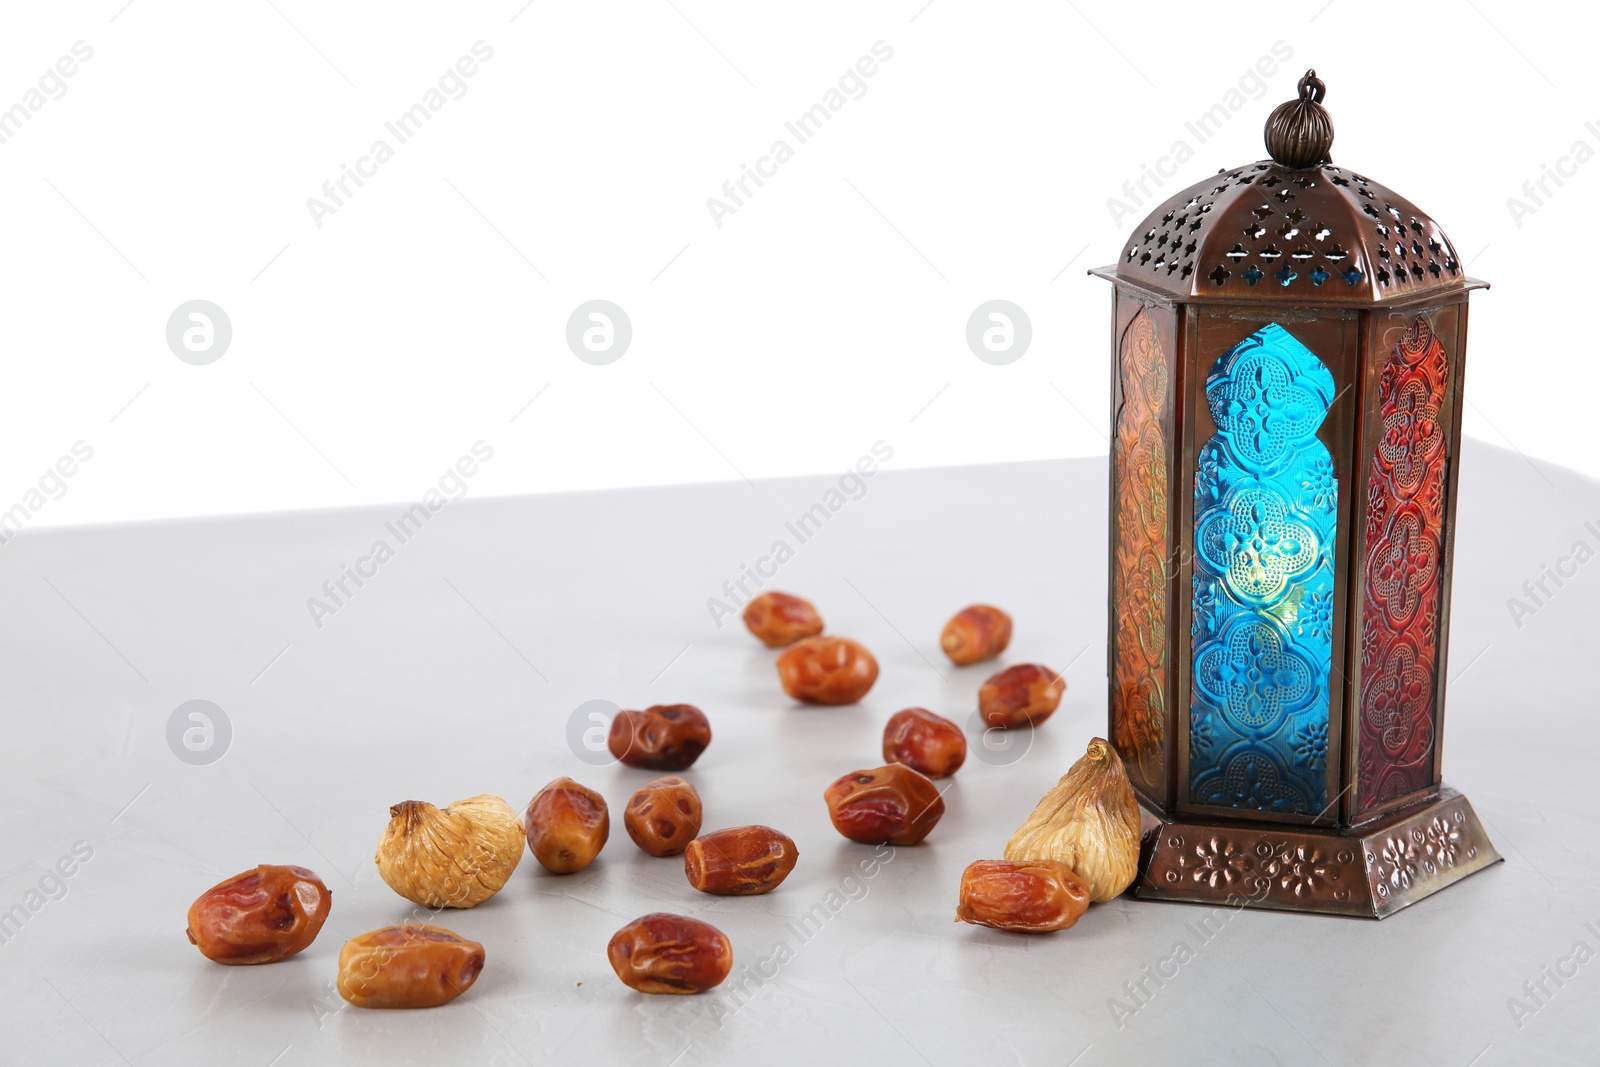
(1265,520)
(1138,572)
(1405,524)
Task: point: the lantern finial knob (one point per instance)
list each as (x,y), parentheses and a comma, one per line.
(1299,132)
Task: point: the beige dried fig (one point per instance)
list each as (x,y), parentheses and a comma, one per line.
(454,857)
(1089,821)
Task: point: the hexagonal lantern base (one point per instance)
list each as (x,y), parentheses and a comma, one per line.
(1371,872)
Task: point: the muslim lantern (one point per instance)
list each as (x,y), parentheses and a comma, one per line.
(1288,342)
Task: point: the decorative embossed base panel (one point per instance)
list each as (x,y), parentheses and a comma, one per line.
(1369,875)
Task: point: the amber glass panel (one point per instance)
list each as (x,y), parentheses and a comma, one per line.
(1139,553)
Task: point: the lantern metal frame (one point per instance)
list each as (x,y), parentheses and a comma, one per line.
(1380,291)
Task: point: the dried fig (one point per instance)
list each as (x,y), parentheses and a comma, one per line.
(453,857)
(1089,821)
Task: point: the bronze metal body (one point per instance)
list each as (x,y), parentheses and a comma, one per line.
(1280,580)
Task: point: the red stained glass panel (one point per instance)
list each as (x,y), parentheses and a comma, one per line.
(1402,584)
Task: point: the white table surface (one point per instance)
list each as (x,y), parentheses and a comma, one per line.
(454,671)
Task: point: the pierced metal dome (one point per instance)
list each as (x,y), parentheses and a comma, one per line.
(1314,234)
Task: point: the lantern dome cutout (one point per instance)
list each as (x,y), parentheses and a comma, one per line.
(1271,230)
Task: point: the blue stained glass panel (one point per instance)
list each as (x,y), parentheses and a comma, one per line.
(1265,506)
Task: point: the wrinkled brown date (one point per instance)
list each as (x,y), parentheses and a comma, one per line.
(975,634)
(925,742)
(663,816)
(260,916)
(779,619)
(739,861)
(827,670)
(891,805)
(409,966)
(1033,896)
(662,953)
(566,825)
(666,737)
(1024,695)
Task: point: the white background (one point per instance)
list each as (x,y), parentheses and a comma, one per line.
(829,312)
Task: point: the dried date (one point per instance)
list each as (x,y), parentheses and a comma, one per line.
(890,805)
(663,816)
(925,742)
(413,965)
(1033,896)
(827,670)
(665,737)
(739,861)
(567,825)
(779,619)
(662,953)
(260,916)
(1024,695)
(975,634)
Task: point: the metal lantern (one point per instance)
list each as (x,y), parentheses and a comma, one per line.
(1287,341)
